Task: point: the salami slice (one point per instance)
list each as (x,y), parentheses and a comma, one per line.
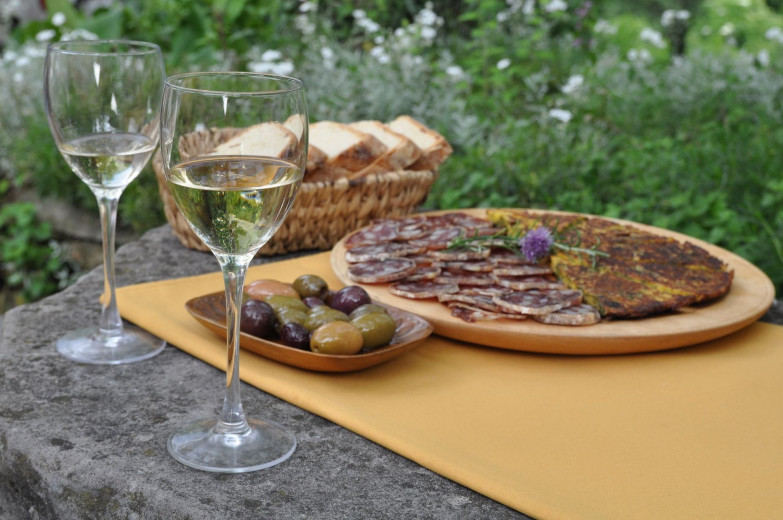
(421,290)
(526,283)
(381,271)
(378,233)
(533,302)
(480,266)
(575,315)
(424,272)
(465,279)
(381,252)
(460,255)
(471,314)
(438,238)
(506,257)
(522,270)
(477,300)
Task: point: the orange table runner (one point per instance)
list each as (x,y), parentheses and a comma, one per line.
(689,433)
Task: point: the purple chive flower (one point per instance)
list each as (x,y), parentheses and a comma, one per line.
(536,244)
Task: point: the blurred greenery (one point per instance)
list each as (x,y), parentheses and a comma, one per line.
(667,113)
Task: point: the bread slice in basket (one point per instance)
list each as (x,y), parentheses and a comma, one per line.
(400,153)
(348,150)
(434,147)
(316,158)
(268,139)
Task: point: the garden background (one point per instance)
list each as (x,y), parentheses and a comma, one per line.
(666,113)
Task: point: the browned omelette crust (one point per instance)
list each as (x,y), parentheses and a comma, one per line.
(644,273)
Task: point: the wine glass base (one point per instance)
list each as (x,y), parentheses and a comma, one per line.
(92,346)
(199,446)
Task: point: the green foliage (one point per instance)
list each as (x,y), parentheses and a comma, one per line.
(31,262)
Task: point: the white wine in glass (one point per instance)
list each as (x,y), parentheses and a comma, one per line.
(234,199)
(102,101)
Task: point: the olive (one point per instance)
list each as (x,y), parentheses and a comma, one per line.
(349,298)
(310,285)
(377,328)
(295,335)
(313,301)
(257,318)
(367,308)
(336,337)
(321,315)
(290,315)
(278,302)
(262,289)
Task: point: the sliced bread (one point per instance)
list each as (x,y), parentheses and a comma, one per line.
(434,147)
(315,156)
(400,153)
(347,150)
(265,139)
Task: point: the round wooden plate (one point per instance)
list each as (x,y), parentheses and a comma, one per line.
(210,311)
(750,296)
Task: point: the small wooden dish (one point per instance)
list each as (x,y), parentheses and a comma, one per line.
(210,311)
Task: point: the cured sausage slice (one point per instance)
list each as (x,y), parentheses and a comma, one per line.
(581,314)
(381,252)
(533,302)
(460,255)
(378,233)
(470,314)
(422,290)
(477,300)
(522,270)
(525,283)
(381,271)
(424,272)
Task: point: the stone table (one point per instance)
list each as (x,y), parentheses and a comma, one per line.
(87,441)
(83,441)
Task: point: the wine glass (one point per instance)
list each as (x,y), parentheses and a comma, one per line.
(102,101)
(234,148)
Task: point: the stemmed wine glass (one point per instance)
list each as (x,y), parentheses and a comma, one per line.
(234,148)
(102,101)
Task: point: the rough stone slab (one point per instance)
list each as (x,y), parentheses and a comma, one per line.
(82,441)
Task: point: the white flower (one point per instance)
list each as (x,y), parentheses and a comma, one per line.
(652,36)
(641,56)
(503,16)
(305,7)
(327,53)
(378,40)
(368,25)
(564,116)
(271,55)
(763,57)
(22,61)
(284,68)
(379,53)
(573,84)
(774,34)
(428,33)
(503,64)
(670,16)
(555,5)
(45,35)
(427,17)
(455,71)
(359,14)
(303,23)
(727,29)
(604,27)
(79,34)
(58,19)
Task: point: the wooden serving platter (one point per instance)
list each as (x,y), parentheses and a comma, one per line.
(750,297)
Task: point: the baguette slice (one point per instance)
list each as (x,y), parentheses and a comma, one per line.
(434,147)
(316,158)
(401,152)
(347,149)
(267,139)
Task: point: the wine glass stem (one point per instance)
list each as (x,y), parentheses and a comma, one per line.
(111,322)
(232,417)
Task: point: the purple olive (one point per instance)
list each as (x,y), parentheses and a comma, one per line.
(349,298)
(257,318)
(295,335)
(313,301)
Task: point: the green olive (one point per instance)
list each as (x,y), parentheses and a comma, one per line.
(321,315)
(310,285)
(377,328)
(367,308)
(278,301)
(336,337)
(289,315)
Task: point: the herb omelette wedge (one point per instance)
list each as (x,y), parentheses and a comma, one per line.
(641,273)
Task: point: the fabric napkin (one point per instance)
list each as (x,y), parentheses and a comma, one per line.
(689,433)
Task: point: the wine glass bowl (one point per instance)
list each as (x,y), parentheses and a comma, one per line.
(102,100)
(233,151)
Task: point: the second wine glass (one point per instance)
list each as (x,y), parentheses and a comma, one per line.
(234,149)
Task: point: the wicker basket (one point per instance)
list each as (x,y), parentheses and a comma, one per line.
(323,212)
